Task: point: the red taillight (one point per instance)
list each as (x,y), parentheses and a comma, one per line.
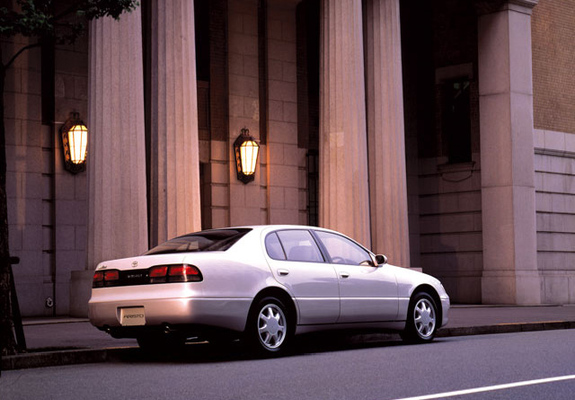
(178,270)
(184,273)
(98,280)
(174,273)
(112,275)
(106,278)
(158,272)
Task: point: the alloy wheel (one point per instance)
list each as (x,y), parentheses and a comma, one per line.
(272,327)
(424,318)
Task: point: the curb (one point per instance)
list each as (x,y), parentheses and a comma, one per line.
(90,356)
(506,328)
(62,357)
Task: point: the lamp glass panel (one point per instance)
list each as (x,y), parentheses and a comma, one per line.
(249,156)
(78,141)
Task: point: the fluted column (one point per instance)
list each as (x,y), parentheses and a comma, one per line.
(116,166)
(174,154)
(386,133)
(116,153)
(344,193)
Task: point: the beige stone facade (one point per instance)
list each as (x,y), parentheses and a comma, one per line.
(441,135)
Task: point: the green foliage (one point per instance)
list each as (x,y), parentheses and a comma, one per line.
(33,18)
(47,18)
(94,9)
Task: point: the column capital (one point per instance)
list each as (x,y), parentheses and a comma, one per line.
(490,6)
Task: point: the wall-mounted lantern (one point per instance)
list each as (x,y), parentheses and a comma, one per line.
(247,150)
(75,143)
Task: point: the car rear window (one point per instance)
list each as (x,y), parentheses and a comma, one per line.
(211,240)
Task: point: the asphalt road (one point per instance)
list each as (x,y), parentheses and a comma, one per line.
(320,370)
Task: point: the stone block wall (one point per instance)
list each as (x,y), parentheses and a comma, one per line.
(284,157)
(27,160)
(450,226)
(553,36)
(70,192)
(47,205)
(246,201)
(555,202)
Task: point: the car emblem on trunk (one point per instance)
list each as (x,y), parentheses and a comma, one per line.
(134,264)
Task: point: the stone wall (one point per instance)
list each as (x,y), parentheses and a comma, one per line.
(26,188)
(47,206)
(555,195)
(444,198)
(70,193)
(285,160)
(553,35)
(246,201)
(450,226)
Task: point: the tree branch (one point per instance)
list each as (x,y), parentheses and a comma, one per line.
(66,12)
(22,50)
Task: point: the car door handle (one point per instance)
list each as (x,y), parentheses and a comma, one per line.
(283,272)
(344,274)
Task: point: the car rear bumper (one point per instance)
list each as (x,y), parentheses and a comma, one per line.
(226,313)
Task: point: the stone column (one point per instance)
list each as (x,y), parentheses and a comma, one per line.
(344,192)
(510,273)
(117,225)
(174,153)
(386,133)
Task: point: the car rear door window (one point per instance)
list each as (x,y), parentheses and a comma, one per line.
(299,245)
(274,247)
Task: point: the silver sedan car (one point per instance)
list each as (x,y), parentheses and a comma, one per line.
(261,284)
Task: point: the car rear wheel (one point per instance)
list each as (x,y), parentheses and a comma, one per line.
(421,324)
(268,327)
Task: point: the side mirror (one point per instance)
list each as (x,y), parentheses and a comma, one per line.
(380,259)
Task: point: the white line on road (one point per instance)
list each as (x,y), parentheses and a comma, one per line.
(491,388)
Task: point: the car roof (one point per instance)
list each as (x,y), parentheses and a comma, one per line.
(270,228)
(274,227)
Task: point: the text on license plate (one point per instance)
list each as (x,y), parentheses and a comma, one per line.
(132,316)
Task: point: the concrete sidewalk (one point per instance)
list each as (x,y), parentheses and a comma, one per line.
(59,341)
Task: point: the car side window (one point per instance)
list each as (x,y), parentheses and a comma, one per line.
(342,250)
(274,247)
(299,245)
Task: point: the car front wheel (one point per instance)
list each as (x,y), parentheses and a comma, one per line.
(421,324)
(268,328)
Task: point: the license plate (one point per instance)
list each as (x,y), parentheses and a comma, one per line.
(132,316)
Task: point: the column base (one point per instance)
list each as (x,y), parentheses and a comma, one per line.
(508,287)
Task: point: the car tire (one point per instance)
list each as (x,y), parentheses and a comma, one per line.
(421,324)
(269,331)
